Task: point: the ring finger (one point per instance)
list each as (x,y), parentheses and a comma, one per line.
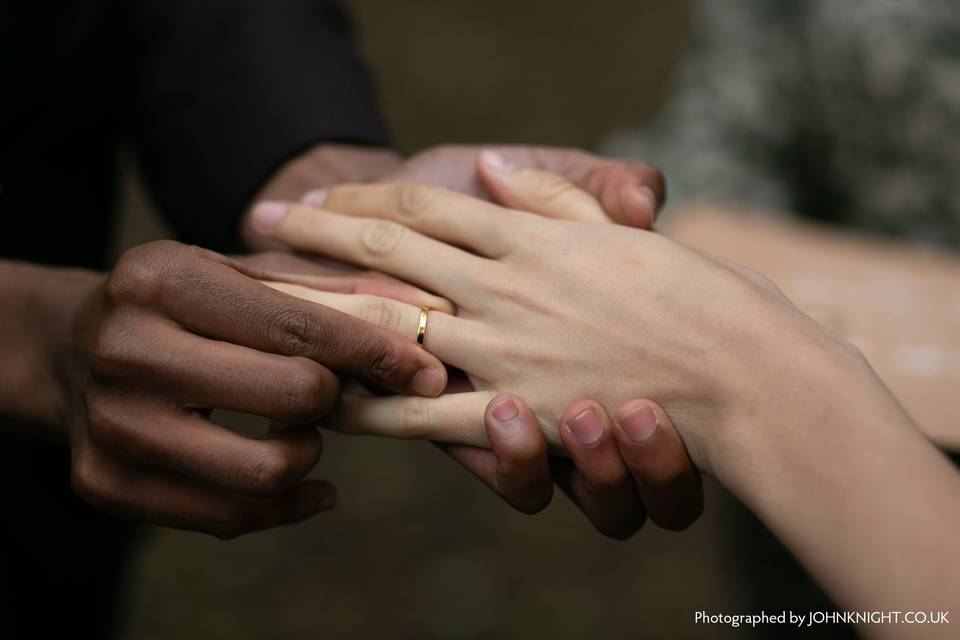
(444,334)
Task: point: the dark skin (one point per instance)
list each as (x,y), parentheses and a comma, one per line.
(175,331)
(612,485)
(127,366)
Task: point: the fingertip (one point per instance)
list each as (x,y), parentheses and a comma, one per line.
(638,206)
(316,198)
(576,408)
(429,381)
(266,215)
(495,161)
(512,429)
(586,422)
(503,407)
(638,422)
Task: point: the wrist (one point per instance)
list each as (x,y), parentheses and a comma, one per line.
(319,167)
(42,304)
(806,409)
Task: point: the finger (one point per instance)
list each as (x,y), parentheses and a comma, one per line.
(631,193)
(202,373)
(353,281)
(433,211)
(149,432)
(517,468)
(206,293)
(168,500)
(668,483)
(374,243)
(541,192)
(445,336)
(452,418)
(602,485)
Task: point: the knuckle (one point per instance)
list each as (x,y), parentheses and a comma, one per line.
(551,187)
(303,394)
(385,363)
(142,272)
(271,471)
(382,313)
(415,419)
(90,483)
(381,237)
(414,199)
(299,332)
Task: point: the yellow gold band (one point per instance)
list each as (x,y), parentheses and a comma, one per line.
(422,327)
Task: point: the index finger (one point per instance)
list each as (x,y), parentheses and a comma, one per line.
(204,293)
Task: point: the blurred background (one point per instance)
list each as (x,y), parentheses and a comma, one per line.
(417,548)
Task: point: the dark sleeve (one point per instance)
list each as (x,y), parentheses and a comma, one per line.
(224,91)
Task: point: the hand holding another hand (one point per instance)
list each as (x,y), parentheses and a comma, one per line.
(552,308)
(176,331)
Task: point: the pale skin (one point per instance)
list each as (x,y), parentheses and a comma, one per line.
(559,304)
(125,367)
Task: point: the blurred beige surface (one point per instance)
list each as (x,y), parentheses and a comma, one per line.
(418,548)
(899,304)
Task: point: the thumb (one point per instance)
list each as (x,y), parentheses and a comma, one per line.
(544,193)
(669,485)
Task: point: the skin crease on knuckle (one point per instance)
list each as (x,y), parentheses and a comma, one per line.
(304,391)
(385,363)
(270,471)
(381,313)
(416,419)
(143,273)
(413,200)
(380,238)
(551,188)
(299,333)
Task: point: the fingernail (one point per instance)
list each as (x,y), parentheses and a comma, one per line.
(586,426)
(505,410)
(496,161)
(267,214)
(640,424)
(429,382)
(315,198)
(647,194)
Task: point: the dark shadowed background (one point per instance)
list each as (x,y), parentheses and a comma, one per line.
(417,548)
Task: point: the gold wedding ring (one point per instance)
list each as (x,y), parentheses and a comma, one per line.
(422,327)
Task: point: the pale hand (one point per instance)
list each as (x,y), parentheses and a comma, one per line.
(551,308)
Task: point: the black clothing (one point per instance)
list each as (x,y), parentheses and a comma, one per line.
(212,95)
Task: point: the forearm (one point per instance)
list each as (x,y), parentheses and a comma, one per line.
(858,494)
(38,306)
